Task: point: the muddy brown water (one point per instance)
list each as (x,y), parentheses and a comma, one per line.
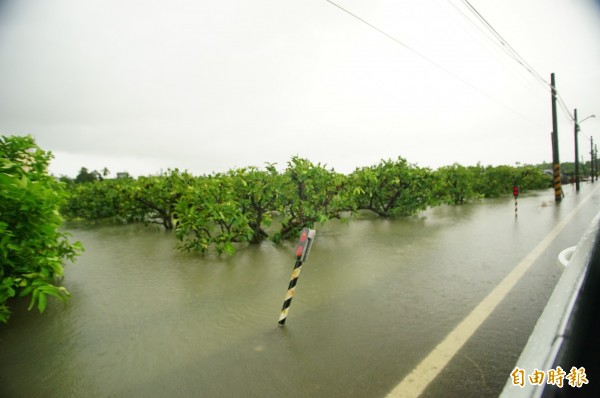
(374,297)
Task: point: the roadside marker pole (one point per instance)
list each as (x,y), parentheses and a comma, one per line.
(516,195)
(304,243)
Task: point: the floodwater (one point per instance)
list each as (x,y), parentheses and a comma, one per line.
(373,298)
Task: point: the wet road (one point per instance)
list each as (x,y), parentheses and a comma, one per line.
(375,298)
(476,371)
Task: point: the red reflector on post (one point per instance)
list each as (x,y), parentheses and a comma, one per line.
(304,243)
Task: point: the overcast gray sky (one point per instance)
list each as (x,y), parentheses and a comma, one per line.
(208,85)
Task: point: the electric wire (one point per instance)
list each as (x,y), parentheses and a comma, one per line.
(508,49)
(564,107)
(494,42)
(505,45)
(429,60)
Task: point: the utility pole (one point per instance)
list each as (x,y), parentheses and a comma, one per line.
(555,157)
(596,161)
(576,152)
(592,159)
(577,128)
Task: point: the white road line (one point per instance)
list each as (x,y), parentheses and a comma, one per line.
(415,383)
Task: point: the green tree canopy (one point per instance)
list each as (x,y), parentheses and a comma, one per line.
(309,193)
(32,250)
(392,188)
(87,176)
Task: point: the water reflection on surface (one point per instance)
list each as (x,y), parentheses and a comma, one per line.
(373,298)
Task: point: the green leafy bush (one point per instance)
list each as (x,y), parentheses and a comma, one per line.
(309,194)
(32,249)
(249,205)
(209,215)
(392,188)
(458,184)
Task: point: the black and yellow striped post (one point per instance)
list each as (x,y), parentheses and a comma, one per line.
(516,195)
(304,243)
(558,193)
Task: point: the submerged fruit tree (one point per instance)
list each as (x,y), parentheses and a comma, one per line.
(457,184)
(392,188)
(154,198)
(221,210)
(308,194)
(257,193)
(249,205)
(102,201)
(209,215)
(32,249)
(150,200)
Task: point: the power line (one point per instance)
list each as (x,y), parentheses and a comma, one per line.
(387,35)
(429,60)
(508,49)
(564,107)
(505,45)
(524,80)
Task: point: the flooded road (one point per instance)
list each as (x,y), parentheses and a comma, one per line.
(373,299)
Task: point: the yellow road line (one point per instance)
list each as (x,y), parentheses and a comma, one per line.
(415,383)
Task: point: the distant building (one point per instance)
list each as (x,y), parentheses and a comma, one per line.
(123,174)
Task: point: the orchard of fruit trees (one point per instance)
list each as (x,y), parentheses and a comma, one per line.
(215,212)
(251,204)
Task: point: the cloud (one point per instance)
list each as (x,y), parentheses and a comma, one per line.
(217,84)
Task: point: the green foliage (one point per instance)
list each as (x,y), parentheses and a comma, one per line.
(221,211)
(32,250)
(309,194)
(101,201)
(392,188)
(85,176)
(148,199)
(210,216)
(498,181)
(153,199)
(457,184)
(257,192)
(224,209)
(530,178)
